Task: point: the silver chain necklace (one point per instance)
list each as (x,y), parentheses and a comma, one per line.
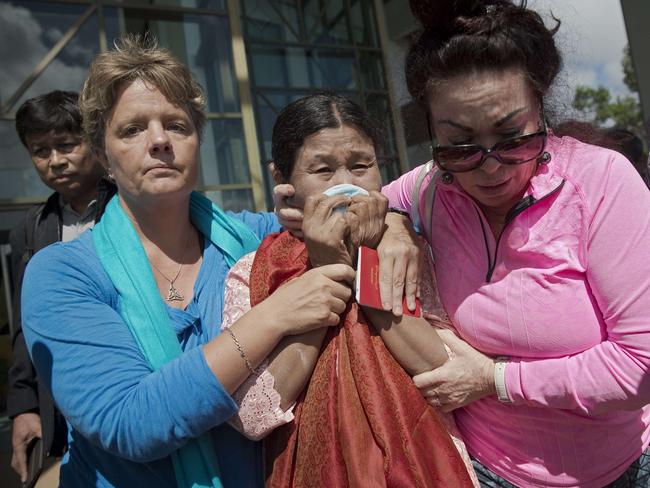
(173,294)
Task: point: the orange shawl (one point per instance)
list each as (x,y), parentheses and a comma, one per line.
(361,422)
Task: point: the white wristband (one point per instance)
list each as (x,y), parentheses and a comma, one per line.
(500,380)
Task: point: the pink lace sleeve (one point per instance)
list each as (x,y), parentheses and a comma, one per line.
(259,403)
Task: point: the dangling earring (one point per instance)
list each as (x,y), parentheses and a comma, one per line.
(447,178)
(545,158)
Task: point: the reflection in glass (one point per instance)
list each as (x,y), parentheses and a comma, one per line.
(325,22)
(295,47)
(372,70)
(28,30)
(271,20)
(69,69)
(113,24)
(389,168)
(18,178)
(201,42)
(234,200)
(9,220)
(303,68)
(364,25)
(223,153)
(268,106)
(204,4)
(378,107)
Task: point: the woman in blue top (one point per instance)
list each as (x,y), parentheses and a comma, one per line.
(123,324)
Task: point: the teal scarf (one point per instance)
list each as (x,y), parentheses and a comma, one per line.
(124,260)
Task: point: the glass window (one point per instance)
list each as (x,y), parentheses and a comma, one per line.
(28,31)
(203,43)
(9,220)
(18,178)
(113,24)
(268,106)
(364,26)
(315,44)
(69,69)
(235,200)
(271,20)
(372,70)
(302,68)
(325,22)
(389,169)
(203,4)
(223,153)
(378,107)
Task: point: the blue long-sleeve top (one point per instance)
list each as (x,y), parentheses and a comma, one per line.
(124,418)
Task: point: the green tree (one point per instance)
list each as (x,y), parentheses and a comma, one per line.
(599,107)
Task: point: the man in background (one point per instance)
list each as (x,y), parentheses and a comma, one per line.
(49,126)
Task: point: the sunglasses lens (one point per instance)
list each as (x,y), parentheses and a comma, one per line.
(522,149)
(457,158)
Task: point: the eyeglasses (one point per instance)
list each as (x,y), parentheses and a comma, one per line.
(467,157)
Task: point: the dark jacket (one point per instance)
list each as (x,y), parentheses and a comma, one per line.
(41,227)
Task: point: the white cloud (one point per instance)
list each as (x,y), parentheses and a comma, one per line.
(22,49)
(592,38)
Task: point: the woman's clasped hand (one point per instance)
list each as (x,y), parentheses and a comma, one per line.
(313,300)
(399,264)
(467,376)
(335,226)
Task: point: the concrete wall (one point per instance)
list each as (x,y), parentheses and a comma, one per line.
(400,24)
(637,23)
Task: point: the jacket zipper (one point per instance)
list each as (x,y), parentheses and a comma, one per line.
(514,212)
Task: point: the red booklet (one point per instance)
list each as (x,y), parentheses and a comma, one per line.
(367,282)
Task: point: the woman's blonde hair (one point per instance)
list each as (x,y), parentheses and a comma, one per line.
(136,57)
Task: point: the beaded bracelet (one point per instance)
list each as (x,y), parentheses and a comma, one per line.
(241,351)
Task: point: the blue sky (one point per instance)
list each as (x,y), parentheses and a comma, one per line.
(592,38)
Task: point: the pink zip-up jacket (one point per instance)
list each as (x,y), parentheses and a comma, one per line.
(564,293)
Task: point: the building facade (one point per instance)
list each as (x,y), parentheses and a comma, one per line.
(251,56)
(637,16)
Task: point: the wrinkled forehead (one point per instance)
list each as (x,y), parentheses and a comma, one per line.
(482,97)
(338,142)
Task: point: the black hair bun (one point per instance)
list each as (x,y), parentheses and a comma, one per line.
(442,14)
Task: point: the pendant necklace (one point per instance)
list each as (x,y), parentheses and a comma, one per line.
(173,294)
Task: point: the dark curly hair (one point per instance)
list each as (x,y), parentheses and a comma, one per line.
(464,36)
(310,114)
(56,111)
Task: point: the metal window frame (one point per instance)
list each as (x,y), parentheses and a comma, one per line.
(247,87)
(259,90)
(129,4)
(240,67)
(246,104)
(390,85)
(5,251)
(48,58)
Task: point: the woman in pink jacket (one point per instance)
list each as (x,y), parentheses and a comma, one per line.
(542,252)
(542,256)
